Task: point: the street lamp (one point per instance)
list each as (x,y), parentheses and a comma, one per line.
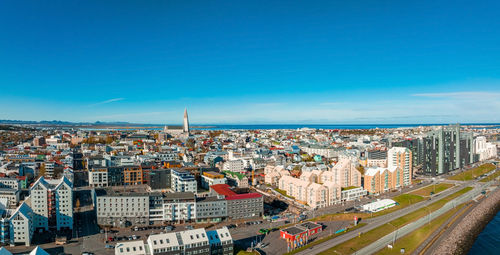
(428,215)
(395,234)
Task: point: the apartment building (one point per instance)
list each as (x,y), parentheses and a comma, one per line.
(211,178)
(484,149)
(315,194)
(179,207)
(381,179)
(236,165)
(211,209)
(447,149)
(183,181)
(132,175)
(98,177)
(196,241)
(121,207)
(52,204)
(401,158)
(243,205)
(16,226)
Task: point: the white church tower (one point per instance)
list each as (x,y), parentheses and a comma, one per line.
(185,125)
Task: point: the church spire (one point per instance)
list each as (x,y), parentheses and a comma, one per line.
(186,122)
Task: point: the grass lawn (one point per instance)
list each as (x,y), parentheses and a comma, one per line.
(491,177)
(403,200)
(473,173)
(437,188)
(413,240)
(369,237)
(239,251)
(324,239)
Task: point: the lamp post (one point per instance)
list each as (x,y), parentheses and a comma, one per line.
(395,234)
(428,215)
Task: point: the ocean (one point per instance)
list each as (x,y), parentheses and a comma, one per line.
(323,126)
(488,241)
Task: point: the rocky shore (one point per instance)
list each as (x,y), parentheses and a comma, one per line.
(462,237)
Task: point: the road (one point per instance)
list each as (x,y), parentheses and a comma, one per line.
(388,239)
(379,221)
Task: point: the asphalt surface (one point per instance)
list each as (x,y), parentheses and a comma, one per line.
(379,221)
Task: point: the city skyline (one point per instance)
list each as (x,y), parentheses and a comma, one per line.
(251,63)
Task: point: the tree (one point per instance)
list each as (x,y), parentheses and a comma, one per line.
(41,172)
(77,206)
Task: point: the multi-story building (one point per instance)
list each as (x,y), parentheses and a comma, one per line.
(236,165)
(401,158)
(211,178)
(159,179)
(211,209)
(11,195)
(350,194)
(484,149)
(183,181)
(8,182)
(52,204)
(345,173)
(179,207)
(220,241)
(196,241)
(246,205)
(381,179)
(115,176)
(98,177)
(132,175)
(447,149)
(16,226)
(236,179)
(312,189)
(121,207)
(49,169)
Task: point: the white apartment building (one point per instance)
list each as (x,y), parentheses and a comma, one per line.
(17,225)
(120,208)
(196,241)
(484,149)
(7,182)
(325,151)
(98,177)
(52,204)
(207,181)
(237,165)
(183,181)
(179,207)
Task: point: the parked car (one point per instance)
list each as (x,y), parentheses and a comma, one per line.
(108,246)
(189,227)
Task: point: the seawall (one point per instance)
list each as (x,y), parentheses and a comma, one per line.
(462,237)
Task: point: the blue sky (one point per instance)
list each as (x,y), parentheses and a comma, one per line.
(251,61)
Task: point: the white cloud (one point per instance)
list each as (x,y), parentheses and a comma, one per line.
(108,101)
(461,95)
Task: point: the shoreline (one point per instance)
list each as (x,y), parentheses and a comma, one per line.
(461,239)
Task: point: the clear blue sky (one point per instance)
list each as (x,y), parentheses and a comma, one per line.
(250,61)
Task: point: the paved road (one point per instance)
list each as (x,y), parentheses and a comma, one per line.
(379,221)
(388,239)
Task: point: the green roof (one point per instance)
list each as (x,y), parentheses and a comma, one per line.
(238,175)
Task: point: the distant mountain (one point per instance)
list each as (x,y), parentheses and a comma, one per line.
(59,122)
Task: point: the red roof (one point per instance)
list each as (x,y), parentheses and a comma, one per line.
(243,196)
(22,178)
(223,189)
